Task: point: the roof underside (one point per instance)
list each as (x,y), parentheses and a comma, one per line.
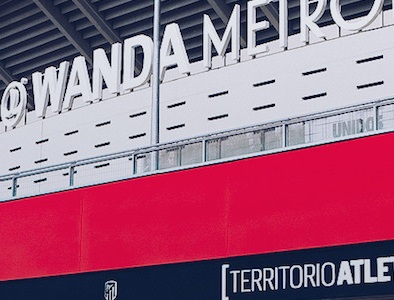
(35,34)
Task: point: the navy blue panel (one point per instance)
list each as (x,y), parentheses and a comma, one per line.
(269,276)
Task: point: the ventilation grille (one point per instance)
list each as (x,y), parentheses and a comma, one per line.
(103,124)
(175,127)
(314,72)
(369,59)
(371,84)
(217,117)
(264,107)
(258,84)
(310,97)
(70,153)
(40,161)
(137,114)
(218,94)
(71,132)
(42,141)
(102,145)
(176,104)
(136,136)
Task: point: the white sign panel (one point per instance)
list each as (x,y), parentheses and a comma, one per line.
(62,85)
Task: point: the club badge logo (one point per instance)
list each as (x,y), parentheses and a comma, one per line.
(110,290)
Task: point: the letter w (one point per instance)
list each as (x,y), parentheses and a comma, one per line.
(51,88)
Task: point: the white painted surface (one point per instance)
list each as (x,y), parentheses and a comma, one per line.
(339,81)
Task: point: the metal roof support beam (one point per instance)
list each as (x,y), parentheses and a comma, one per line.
(61,22)
(7,78)
(98,21)
(272,15)
(101,25)
(5,75)
(224,13)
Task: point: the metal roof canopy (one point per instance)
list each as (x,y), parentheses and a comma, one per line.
(35,34)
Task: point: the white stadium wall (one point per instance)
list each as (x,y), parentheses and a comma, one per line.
(324,75)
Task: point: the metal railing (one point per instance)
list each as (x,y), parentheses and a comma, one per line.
(346,123)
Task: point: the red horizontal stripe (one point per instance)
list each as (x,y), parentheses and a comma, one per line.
(335,194)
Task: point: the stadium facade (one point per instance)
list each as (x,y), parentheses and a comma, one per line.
(270,177)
